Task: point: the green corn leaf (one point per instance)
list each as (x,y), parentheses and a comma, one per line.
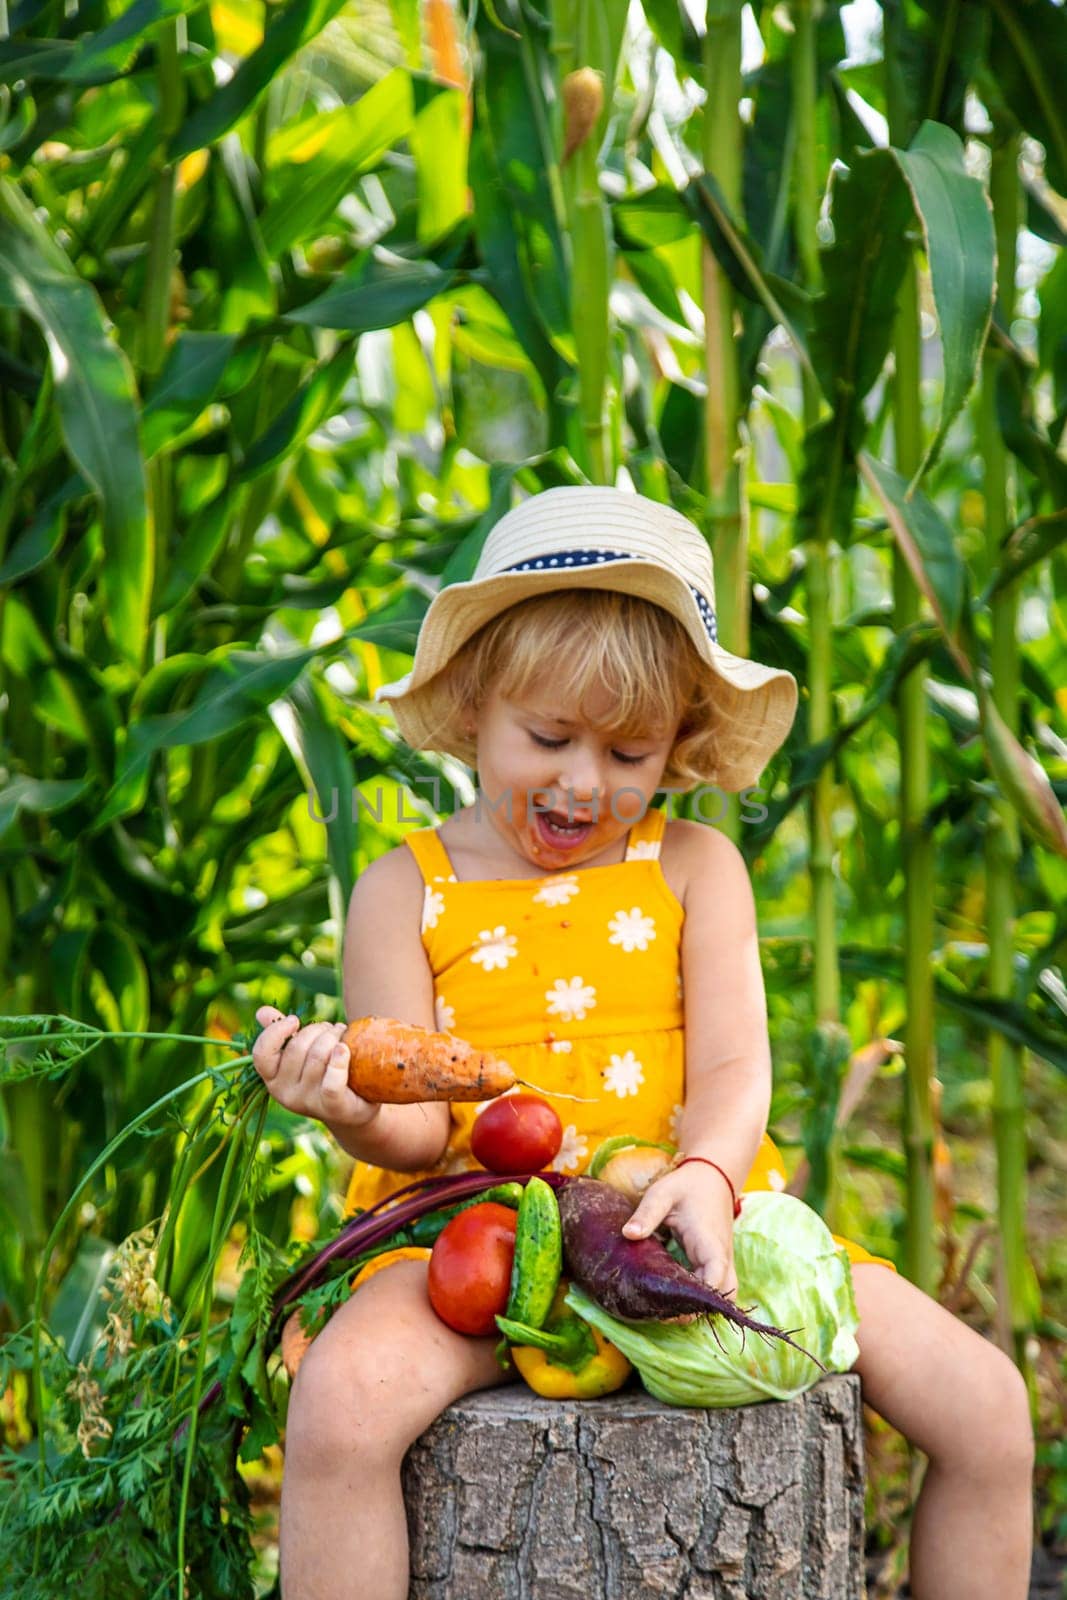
(309,408)
(293,25)
(932,55)
(499,249)
(1052,339)
(190,380)
(655,217)
(111,980)
(525,188)
(235,684)
(39,542)
(741,259)
(96,57)
(96,397)
(321,754)
(1030,543)
(986,1013)
(374,293)
(862,269)
(851,330)
(1022,429)
(1028,43)
(676,32)
(1021,778)
(827,1054)
(194,557)
(38,795)
(312,164)
(438,140)
(926,542)
(957,223)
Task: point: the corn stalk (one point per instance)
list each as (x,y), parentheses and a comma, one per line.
(916,844)
(1002,850)
(586,50)
(722,154)
(829,1044)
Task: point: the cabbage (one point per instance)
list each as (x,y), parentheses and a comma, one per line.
(790,1273)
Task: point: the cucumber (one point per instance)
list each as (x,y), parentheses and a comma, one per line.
(538,1255)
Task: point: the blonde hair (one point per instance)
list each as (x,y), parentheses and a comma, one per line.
(587,639)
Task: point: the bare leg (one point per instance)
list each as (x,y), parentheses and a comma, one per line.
(963,1403)
(375,1378)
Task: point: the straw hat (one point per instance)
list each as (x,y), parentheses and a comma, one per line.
(597,538)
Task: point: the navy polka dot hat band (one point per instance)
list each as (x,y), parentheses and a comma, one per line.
(599,538)
(585,558)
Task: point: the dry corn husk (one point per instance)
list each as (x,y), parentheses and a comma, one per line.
(583,101)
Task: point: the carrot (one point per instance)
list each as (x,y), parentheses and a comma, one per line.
(400,1063)
(637,1279)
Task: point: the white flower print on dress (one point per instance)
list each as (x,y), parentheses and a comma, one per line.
(643,850)
(558,890)
(433,904)
(496,948)
(775,1181)
(574,1148)
(444,1014)
(676,1124)
(632,929)
(570,999)
(563,1046)
(624,1074)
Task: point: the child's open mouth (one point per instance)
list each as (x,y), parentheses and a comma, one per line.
(558,833)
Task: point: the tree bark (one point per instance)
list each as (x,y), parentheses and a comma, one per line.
(513,1497)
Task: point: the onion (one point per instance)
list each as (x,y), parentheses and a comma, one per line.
(630,1171)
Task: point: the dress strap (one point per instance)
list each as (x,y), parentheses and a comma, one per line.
(431,855)
(646,836)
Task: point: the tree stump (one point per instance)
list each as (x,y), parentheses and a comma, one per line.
(513,1497)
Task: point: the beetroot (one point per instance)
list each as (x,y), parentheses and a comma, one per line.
(637,1279)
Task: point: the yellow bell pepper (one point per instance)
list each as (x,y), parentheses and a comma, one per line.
(602,1373)
(586,1364)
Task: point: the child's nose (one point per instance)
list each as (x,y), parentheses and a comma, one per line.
(582,780)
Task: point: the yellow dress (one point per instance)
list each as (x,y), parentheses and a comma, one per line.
(575,980)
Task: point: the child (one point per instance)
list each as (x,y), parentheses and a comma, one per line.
(611,954)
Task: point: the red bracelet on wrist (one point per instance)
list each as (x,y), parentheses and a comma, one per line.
(680,1162)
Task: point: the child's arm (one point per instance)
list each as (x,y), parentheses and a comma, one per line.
(727,1058)
(385,974)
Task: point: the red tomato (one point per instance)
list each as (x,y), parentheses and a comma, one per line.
(518,1133)
(469,1276)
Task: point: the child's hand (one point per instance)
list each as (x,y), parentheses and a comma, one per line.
(306,1069)
(698,1208)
